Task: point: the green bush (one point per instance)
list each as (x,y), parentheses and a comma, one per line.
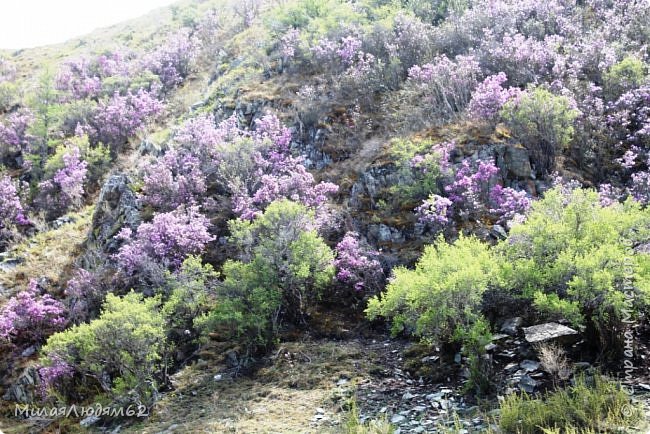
(598,405)
(570,258)
(420,181)
(190,294)
(623,76)
(283,267)
(121,351)
(544,124)
(439,300)
(8,95)
(98,159)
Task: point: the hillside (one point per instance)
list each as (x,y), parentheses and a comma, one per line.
(362,216)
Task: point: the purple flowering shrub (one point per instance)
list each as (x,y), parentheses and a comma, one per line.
(12,213)
(117,119)
(84,295)
(174,60)
(489,97)
(474,192)
(14,136)
(53,375)
(273,174)
(66,188)
(166,240)
(30,316)
(435,211)
(173,180)
(356,267)
(443,88)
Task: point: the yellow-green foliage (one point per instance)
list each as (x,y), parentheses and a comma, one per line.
(572,251)
(625,75)
(543,122)
(123,345)
(597,405)
(420,182)
(439,300)
(376,426)
(283,268)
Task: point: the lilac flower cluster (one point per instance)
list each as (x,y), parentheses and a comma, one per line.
(609,194)
(474,191)
(490,96)
(445,85)
(121,117)
(168,239)
(11,210)
(173,180)
(289,43)
(14,132)
(355,266)
(84,295)
(174,60)
(52,375)
(277,174)
(435,211)
(509,204)
(630,116)
(29,317)
(65,189)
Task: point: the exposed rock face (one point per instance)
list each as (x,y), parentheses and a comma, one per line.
(116,207)
(548,332)
(511,326)
(517,162)
(23,389)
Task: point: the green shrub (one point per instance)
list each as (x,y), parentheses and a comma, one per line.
(283,267)
(120,351)
(421,180)
(544,124)
(570,259)
(98,159)
(439,300)
(190,293)
(8,95)
(598,405)
(623,76)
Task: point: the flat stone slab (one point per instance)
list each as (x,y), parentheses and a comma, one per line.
(547,332)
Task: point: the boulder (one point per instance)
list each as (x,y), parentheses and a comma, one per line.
(116,208)
(517,162)
(549,332)
(24,388)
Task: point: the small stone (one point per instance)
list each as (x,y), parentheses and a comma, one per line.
(28,351)
(527,384)
(407,396)
(419,408)
(342,382)
(491,347)
(218,377)
(320,410)
(529,365)
(511,325)
(88,421)
(397,418)
(457,358)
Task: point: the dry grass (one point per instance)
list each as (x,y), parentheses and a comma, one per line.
(49,254)
(280,398)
